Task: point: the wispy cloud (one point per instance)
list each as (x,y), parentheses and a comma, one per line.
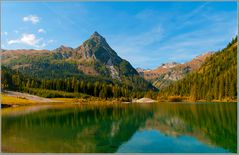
(196,11)
(31,18)
(132,43)
(180,38)
(41,30)
(135,48)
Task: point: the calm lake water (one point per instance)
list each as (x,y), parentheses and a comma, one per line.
(161,128)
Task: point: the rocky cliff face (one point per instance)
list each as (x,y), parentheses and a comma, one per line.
(97,48)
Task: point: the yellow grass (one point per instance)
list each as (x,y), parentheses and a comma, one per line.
(175,98)
(14,100)
(65,99)
(91,100)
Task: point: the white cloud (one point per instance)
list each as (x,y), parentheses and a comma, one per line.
(13,42)
(31,40)
(27,39)
(31,18)
(41,31)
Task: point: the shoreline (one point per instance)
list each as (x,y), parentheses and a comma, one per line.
(15,99)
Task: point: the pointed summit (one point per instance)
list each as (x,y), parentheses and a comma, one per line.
(96,34)
(97,48)
(97,37)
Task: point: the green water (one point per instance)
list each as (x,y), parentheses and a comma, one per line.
(162,128)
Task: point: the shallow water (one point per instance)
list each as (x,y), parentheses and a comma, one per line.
(161,127)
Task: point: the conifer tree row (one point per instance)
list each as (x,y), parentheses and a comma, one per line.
(13,80)
(215,80)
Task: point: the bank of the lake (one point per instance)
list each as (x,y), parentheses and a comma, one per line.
(14,99)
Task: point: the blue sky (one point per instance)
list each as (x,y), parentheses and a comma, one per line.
(145,33)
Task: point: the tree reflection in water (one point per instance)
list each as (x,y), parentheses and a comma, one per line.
(92,128)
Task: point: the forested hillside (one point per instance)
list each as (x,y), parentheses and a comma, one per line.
(68,87)
(215,80)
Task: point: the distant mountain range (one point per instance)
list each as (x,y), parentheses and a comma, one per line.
(94,59)
(168,73)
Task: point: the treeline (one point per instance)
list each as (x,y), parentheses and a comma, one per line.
(215,80)
(53,66)
(55,93)
(13,80)
(97,89)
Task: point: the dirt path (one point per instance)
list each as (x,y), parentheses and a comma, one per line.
(27,96)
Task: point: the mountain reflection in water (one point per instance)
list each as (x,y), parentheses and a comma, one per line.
(162,127)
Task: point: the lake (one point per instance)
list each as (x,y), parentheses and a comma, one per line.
(155,128)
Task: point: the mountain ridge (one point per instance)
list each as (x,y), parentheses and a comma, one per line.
(167,73)
(93,58)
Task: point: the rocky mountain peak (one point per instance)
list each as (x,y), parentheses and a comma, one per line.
(98,39)
(96,34)
(97,48)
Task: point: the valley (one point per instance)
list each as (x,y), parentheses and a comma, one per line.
(94,71)
(119,77)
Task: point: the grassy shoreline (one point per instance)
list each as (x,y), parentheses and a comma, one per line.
(24,102)
(189,99)
(12,101)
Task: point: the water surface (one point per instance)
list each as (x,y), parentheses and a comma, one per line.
(161,128)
